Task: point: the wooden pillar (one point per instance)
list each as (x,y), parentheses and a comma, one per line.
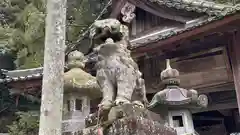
(235,61)
(116,6)
(236,118)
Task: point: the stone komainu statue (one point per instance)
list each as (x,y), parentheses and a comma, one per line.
(117,74)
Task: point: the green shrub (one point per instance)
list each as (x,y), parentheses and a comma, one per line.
(26,124)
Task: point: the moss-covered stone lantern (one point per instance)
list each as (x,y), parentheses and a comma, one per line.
(79,88)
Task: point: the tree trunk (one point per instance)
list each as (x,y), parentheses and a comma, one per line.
(52,87)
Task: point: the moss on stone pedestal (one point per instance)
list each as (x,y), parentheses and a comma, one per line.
(132,126)
(127,119)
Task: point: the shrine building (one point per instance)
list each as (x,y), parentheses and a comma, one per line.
(200,37)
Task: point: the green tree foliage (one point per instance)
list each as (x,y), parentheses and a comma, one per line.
(23,21)
(7,103)
(7,107)
(26,124)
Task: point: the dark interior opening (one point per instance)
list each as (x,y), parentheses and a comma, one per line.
(68,105)
(78,105)
(177,121)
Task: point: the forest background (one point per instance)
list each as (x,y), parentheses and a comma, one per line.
(22,29)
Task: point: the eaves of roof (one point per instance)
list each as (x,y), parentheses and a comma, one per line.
(139,42)
(200,6)
(22,75)
(21,78)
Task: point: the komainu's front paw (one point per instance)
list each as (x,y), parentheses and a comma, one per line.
(121,101)
(105,105)
(138,104)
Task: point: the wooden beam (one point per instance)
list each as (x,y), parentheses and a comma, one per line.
(116,9)
(208,118)
(186,46)
(201,90)
(217,88)
(226,112)
(169,42)
(235,59)
(213,107)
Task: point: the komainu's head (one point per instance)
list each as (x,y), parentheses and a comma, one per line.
(107,28)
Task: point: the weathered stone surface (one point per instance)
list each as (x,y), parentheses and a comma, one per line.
(126,110)
(175,97)
(79,88)
(77,80)
(72,125)
(117,73)
(131,126)
(176,101)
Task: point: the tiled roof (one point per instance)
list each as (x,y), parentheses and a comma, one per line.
(167,33)
(200,6)
(21,75)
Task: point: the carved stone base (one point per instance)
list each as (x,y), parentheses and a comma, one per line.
(128,120)
(131,126)
(117,112)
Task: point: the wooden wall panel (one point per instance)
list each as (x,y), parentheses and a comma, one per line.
(205,69)
(145,23)
(204,79)
(198,70)
(212,130)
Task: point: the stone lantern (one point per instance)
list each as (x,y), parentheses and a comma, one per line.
(175,103)
(79,88)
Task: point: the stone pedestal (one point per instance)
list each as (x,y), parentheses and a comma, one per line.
(76,109)
(132,126)
(127,120)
